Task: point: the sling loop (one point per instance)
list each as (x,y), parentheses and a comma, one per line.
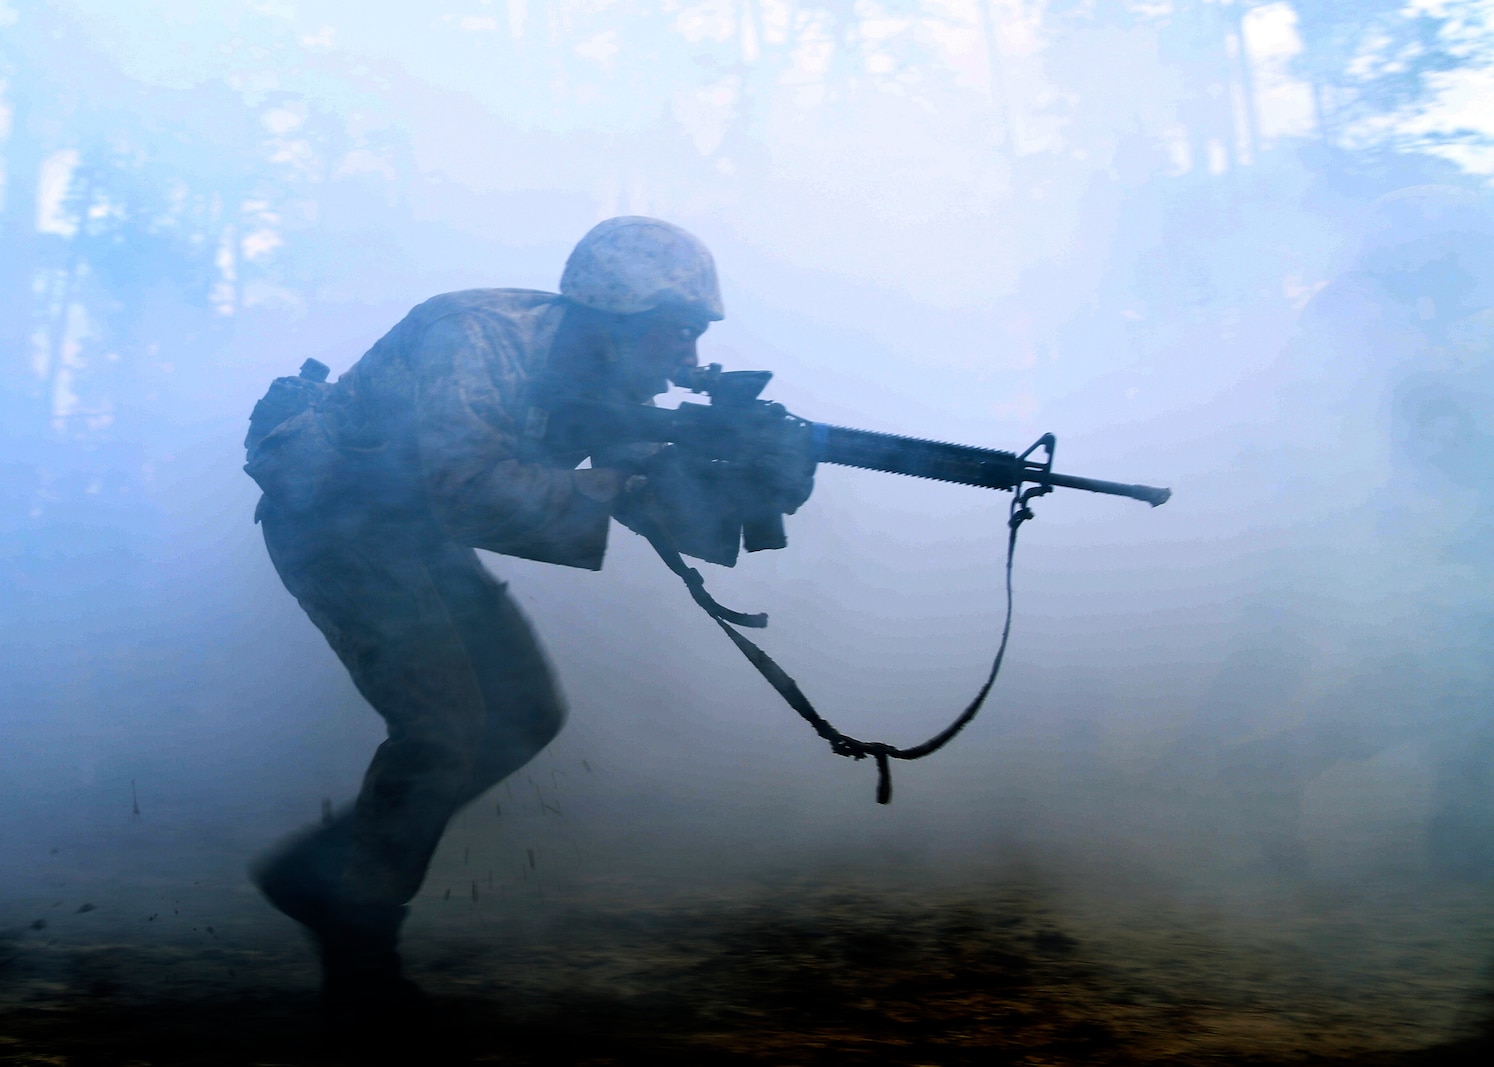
(840,743)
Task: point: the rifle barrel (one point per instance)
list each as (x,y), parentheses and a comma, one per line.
(987,468)
(1153,495)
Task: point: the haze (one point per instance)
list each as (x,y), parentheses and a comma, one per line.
(974,222)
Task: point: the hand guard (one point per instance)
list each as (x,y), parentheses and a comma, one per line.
(784,479)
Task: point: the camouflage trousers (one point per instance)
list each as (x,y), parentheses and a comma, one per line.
(434,642)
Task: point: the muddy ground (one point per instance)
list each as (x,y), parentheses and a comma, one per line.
(802,971)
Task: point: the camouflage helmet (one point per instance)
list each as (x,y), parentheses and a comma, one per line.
(633,264)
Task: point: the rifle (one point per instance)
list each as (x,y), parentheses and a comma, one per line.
(724,439)
(736,428)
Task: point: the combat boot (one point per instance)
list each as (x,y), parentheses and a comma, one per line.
(302,876)
(363,982)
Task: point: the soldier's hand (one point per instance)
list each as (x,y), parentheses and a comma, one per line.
(786,476)
(641,476)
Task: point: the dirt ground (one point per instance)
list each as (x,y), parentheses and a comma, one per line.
(796,973)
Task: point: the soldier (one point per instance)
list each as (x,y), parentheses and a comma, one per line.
(378,487)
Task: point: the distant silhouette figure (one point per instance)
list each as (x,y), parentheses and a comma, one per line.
(1393,389)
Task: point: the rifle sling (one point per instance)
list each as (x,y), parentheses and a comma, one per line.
(840,743)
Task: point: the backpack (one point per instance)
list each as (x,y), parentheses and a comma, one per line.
(289,452)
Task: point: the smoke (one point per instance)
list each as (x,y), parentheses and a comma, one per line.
(1275,685)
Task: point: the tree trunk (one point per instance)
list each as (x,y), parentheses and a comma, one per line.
(18,266)
(996,69)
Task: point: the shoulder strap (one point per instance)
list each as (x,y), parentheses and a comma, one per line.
(840,743)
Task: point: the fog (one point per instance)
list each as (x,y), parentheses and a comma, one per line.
(1177,235)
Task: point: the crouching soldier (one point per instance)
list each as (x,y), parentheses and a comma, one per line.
(377,489)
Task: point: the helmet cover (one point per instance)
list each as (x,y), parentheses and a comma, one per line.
(631,264)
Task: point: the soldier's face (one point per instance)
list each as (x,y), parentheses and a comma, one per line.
(656,346)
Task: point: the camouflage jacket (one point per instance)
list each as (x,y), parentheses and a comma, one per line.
(429,423)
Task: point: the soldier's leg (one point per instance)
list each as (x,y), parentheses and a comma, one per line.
(440,649)
(376,593)
(523,704)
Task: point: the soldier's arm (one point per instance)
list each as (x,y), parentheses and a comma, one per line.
(479,490)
